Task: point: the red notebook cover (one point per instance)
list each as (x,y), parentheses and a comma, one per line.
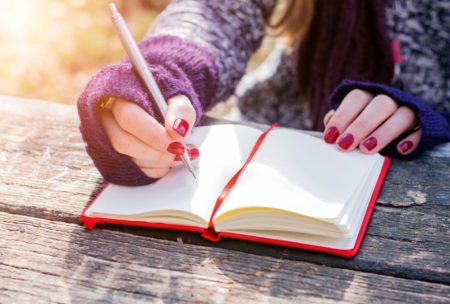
(210,234)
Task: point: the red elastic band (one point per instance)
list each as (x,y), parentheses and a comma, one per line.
(90,222)
(229,186)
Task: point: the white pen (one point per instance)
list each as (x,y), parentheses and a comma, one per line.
(140,65)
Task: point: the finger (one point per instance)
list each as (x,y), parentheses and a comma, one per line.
(375,113)
(148,164)
(134,120)
(401,121)
(353,103)
(193,153)
(125,143)
(156,173)
(180,117)
(410,143)
(327,117)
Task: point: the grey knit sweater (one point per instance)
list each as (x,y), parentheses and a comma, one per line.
(200,48)
(233,31)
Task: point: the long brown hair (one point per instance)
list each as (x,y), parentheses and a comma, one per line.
(291,18)
(336,40)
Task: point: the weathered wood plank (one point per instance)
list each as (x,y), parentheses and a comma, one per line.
(412,252)
(425,181)
(50,261)
(44,168)
(45,172)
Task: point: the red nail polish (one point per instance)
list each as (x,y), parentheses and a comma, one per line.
(177,158)
(194,153)
(331,134)
(176,148)
(370,143)
(345,141)
(405,146)
(180,126)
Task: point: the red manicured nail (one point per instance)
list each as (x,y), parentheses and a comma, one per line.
(193,151)
(176,148)
(370,143)
(331,134)
(180,126)
(405,146)
(345,141)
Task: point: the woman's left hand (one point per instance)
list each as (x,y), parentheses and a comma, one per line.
(371,123)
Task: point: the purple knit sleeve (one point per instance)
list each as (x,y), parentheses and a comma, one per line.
(198,48)
(179,67)
(435,125)
(231,30)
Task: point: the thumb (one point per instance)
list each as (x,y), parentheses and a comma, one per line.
(180,117)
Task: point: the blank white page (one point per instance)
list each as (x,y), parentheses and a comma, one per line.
(223,149)
(302,174)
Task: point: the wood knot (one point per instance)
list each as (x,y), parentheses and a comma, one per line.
(412,198)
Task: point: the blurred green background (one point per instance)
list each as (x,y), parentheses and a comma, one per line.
(49,48)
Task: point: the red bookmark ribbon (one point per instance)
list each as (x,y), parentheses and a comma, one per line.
(210,233)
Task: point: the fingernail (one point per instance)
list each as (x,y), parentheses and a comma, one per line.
(331,134)
(176,148)
(370,143)
(405,146)
(180,126)
(345,141)
(194,152)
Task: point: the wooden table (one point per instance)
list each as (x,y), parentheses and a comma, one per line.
(46,179)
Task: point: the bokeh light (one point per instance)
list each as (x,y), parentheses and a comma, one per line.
(50,48)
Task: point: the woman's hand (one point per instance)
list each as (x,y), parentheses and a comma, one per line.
(152,147)
(370,123)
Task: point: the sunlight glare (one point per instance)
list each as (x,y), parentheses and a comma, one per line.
(17,18)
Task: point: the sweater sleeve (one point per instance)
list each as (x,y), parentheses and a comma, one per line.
(192,50)
(229,29)
(435,125)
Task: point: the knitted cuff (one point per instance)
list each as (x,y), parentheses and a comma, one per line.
(193,67)
(435,128)
(116,80)
(120,80)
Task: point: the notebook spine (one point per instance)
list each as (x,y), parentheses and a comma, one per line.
(90,222)
(211,235)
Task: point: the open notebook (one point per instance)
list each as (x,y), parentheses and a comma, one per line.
(294,190)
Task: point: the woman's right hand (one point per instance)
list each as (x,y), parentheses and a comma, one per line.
(152,147)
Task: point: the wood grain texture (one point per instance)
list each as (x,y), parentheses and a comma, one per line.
(45,173)
(44,169)
(50,261)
